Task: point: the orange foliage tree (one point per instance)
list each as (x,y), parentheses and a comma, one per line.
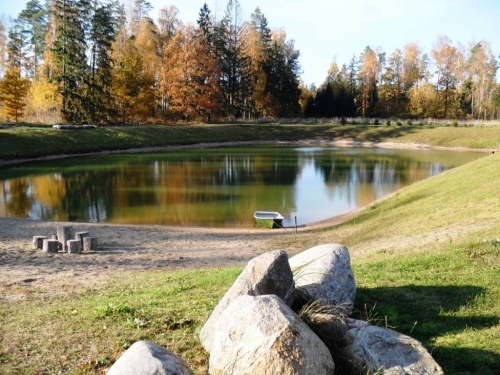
(190,77)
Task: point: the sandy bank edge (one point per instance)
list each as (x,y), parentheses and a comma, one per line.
(310,142)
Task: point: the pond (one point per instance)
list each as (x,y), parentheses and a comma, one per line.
(216,187)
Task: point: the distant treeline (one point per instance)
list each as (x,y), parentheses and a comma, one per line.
(93,61)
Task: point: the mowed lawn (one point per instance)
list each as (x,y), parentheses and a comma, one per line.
(426,262)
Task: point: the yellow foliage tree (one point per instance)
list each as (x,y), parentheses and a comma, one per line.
(132,81)
(13,90)
(448,60)
(368,76)
(423,100)
(44,103)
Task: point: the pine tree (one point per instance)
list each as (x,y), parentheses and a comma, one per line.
(102,35)
(282,70)
(17,48)
(259,40)
(34,20)
(69,49)
(230,49)
(205,23)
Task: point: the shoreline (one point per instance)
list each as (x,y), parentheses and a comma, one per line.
(131,248)
(310,142)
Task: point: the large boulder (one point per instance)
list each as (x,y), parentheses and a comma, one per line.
(324,273)
(386,351)
(263,336)
(355,345)
(268,273)
(146,358)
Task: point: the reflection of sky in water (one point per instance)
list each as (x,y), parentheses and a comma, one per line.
(316,200)
(313,202)
(219,187)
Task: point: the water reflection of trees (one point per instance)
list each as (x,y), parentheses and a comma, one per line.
(373,168)
(209,188)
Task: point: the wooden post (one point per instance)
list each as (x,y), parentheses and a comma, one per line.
(81,235)
(38,242)
(74,246)
(64,233)
(295,224)
(54,237)
(50,246)
(89,243)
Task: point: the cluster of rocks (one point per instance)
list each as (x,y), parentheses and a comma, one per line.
(67,240)
(254,330)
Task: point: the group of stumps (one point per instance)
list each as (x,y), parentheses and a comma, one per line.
(67,240)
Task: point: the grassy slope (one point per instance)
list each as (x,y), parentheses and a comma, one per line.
(30,142)
(436,273)
(427,258)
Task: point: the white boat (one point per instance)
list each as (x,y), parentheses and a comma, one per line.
(268,219)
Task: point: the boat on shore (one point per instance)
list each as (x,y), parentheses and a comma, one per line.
(268,219)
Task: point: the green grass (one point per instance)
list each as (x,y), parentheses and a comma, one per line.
(426,260)
(30,142)
(85,331)
(448,299)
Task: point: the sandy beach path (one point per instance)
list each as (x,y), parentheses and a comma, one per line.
(120,248)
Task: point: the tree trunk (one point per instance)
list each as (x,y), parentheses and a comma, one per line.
(38,242)
(81,235)
(89,243)
(74,246)
(54,237)
(50,246)
(64,233)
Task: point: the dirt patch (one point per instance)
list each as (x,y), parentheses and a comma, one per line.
(120,247)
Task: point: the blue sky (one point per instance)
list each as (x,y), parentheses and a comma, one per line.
(324,29)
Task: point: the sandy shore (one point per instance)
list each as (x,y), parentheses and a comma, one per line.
(133,247)
(120,247)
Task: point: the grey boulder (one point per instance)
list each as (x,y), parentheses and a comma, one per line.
(146,358)
(263,336)
(386,351)
(268,273)
(324,273)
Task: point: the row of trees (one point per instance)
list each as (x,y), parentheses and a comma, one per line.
(453,82)
(92,61)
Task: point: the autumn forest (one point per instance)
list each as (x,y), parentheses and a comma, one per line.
(100,62)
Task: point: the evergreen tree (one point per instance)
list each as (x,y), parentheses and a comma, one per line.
(205,21)
(33,19)
(17,55)
(140,11)
(282,70)
(325,102)
(69,49)
(102,35)
(235,66)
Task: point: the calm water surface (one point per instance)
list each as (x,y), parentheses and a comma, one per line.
(216,187)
